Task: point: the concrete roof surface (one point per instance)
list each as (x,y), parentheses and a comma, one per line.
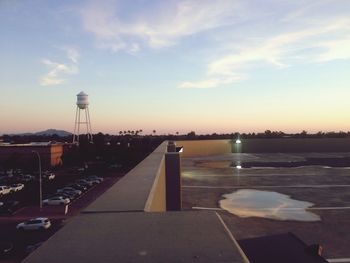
(140,237)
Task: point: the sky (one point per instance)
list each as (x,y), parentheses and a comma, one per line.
(176,66)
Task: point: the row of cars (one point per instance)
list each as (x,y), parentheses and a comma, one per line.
(11,183)
(9,189)
(8,207)
(71,191)
(21,177)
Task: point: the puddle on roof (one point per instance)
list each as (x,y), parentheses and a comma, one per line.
(266,204)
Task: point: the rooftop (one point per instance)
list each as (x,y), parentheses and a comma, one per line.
(129,222)
(117,228)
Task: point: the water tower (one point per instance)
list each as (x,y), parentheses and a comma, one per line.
(82,109)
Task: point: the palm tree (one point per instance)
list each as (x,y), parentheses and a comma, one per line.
(154,132)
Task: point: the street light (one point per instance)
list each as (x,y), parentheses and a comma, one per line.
(40,181)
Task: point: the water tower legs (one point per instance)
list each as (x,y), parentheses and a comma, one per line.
(78,121)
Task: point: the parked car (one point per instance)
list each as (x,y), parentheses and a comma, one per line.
(27,178)
(4,190)
(35,224)
(9,207)
(92,180)
(69,189)
(77,186)
(94,177)
(49,176)
(59,200)
(17,171)
(16,187)
(72,195)
(84,182)
(5,248)
(69,195)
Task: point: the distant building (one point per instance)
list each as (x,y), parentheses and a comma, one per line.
(22,155)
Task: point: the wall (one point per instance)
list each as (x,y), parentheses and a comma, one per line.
(56,151)
(285,145)
(141,189)
(23,156)
(288,145)
(204,147)
(156,201)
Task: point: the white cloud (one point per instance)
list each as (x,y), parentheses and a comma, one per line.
(210,83)
(246,33)
(172,22)
(281,51)
(334,49)
(57,71)
(72,54)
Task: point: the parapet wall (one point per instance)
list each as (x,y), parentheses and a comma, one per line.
(289,145)
(141,189)
(285,145)
(156,201)
(204,147)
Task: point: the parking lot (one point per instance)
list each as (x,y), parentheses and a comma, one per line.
(324,186)
(24,242)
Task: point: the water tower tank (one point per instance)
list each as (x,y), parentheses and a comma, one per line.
(82,100)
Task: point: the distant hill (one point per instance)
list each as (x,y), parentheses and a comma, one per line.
(48,132)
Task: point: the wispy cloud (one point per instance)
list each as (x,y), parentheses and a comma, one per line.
(171,23)
(58,71)
(211,83)
(252,35)
(324,41)
(334,49)
(72,54)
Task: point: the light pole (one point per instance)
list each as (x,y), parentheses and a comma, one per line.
(40,181)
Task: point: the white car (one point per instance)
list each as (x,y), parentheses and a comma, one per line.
(94,177)
(16,187)
(4,190)
(27,178)
(35,224)
(92,180)
(49,176)
(69,189)
(59,200)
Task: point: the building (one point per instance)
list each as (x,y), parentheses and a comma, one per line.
(22,155)
(138,219)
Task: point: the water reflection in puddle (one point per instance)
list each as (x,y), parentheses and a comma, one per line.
(273,205)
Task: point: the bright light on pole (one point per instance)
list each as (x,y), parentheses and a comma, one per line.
(40,181)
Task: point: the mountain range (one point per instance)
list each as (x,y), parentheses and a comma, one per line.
(48,132)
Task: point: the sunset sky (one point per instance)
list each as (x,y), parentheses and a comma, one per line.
(176,66)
